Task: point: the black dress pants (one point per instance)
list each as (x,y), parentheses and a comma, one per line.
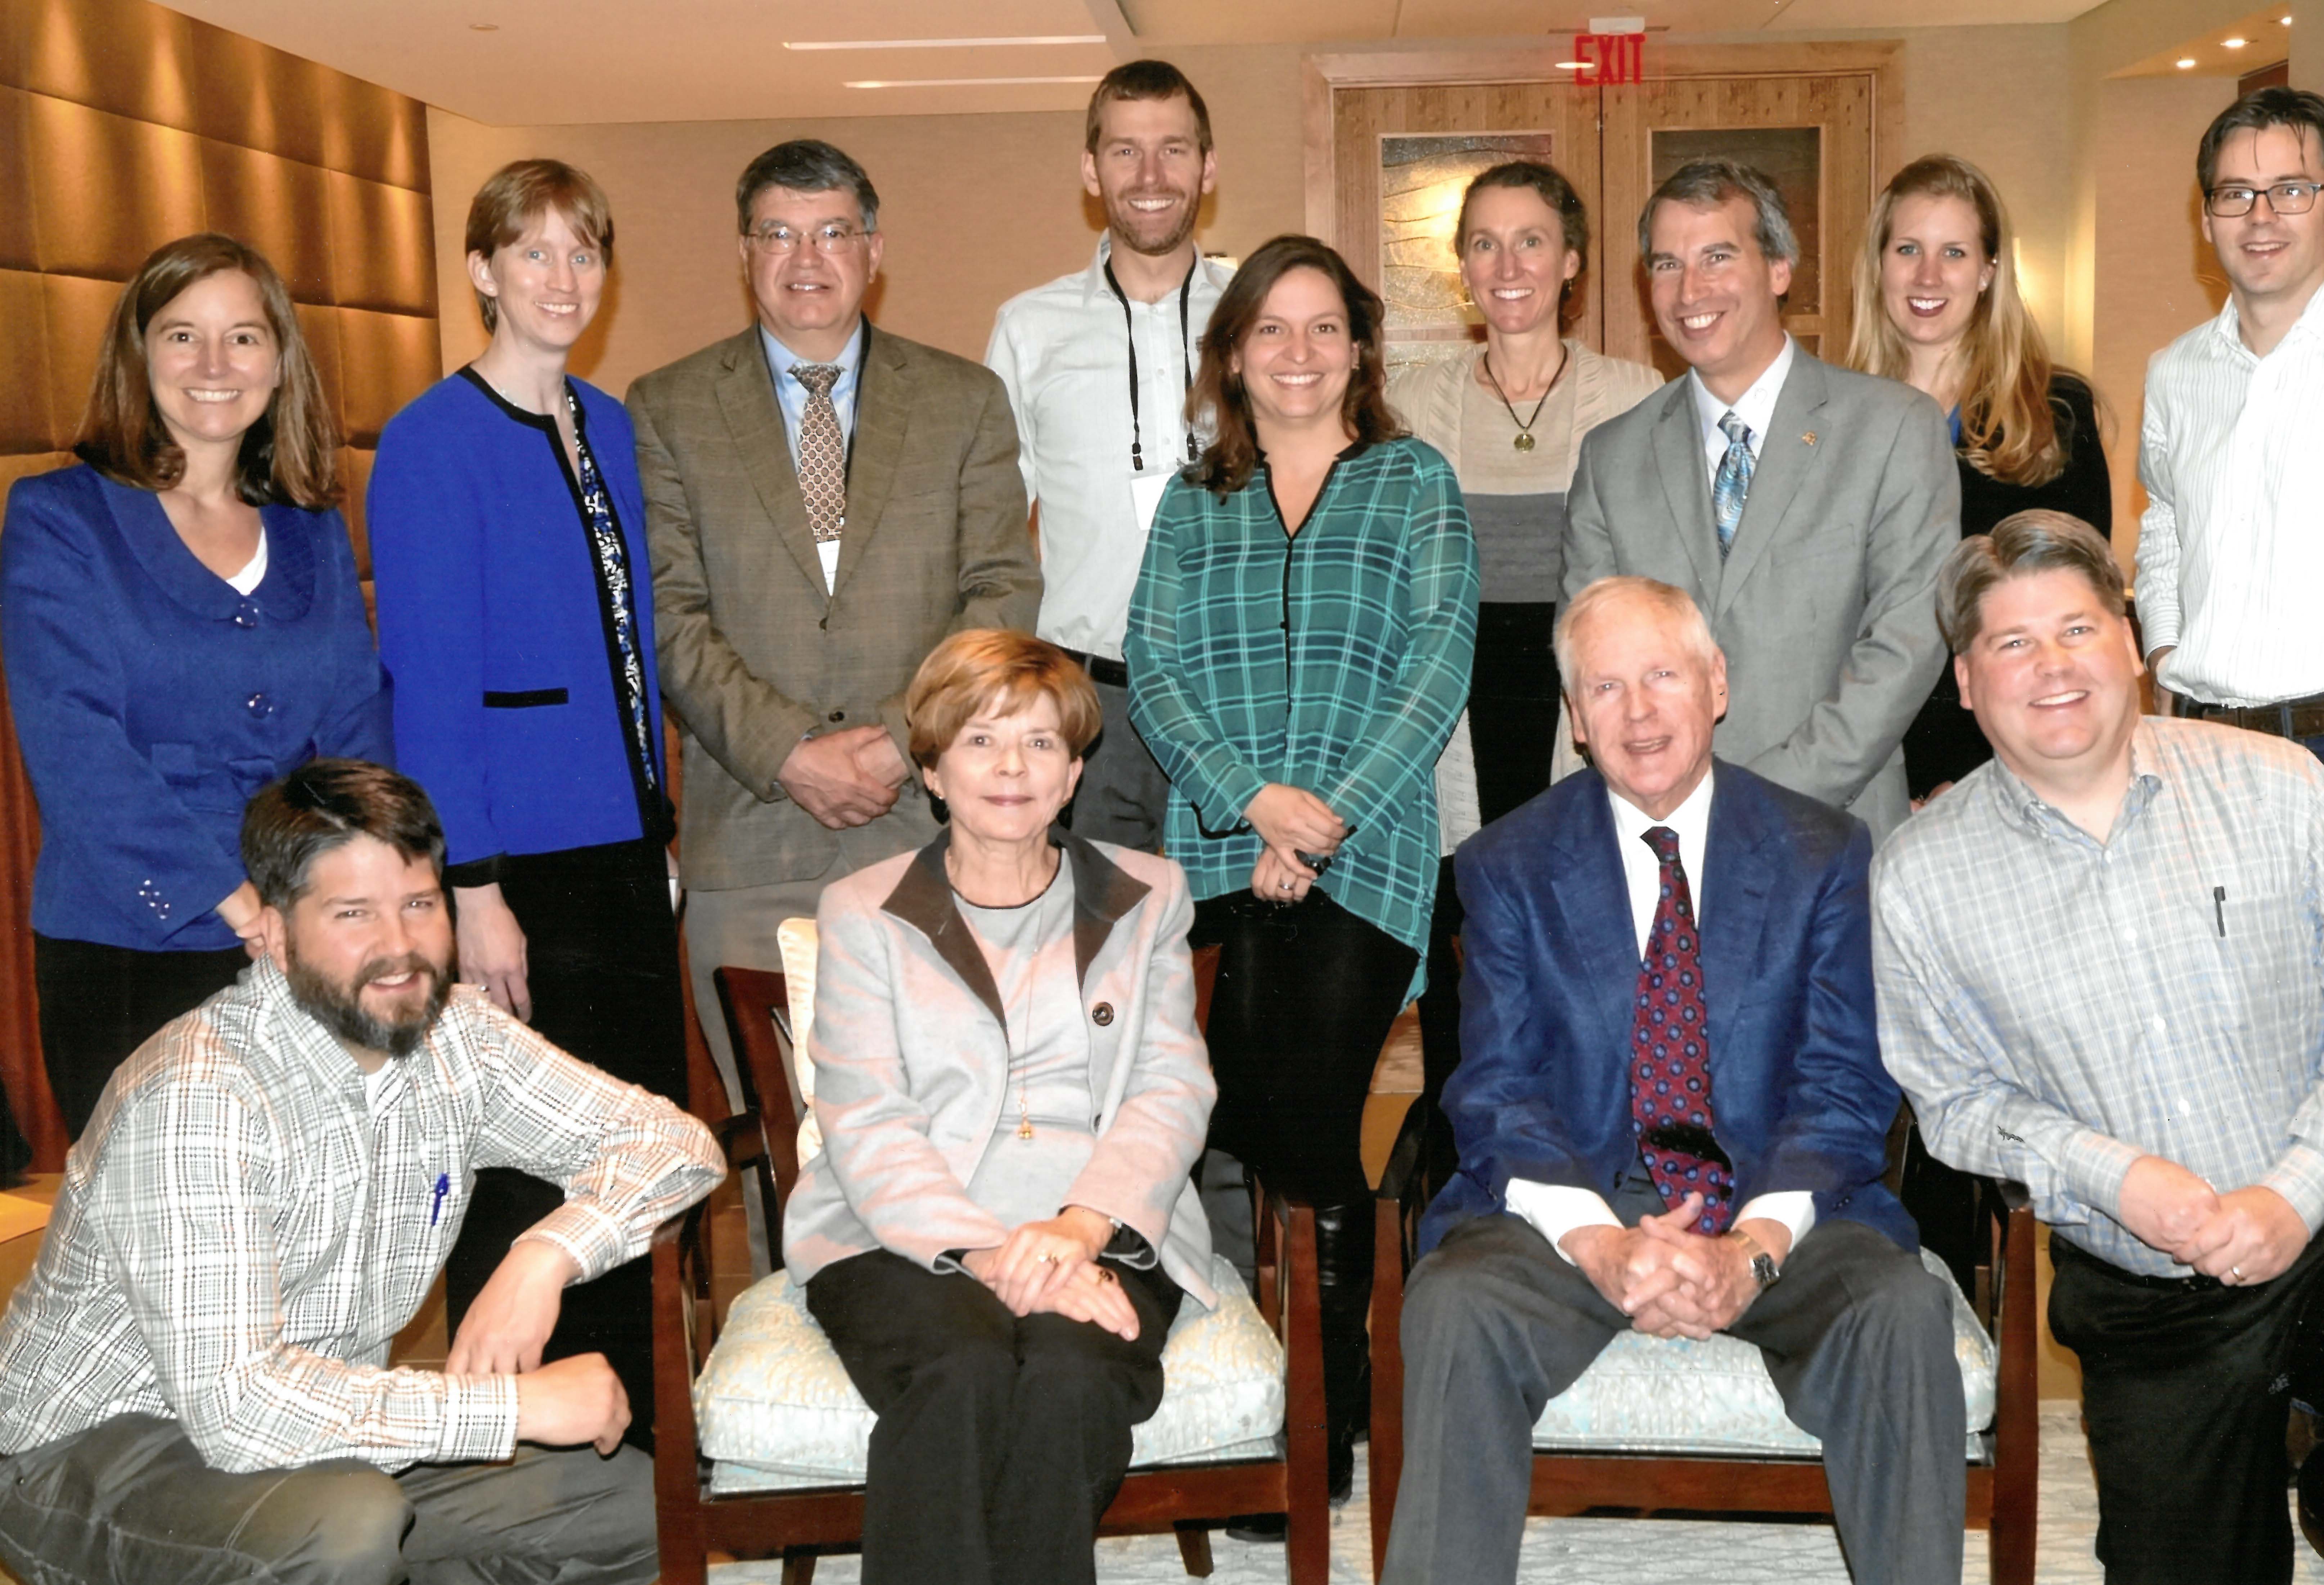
(601,950)
(99,1003)
(1001,1439)
(2185,1389)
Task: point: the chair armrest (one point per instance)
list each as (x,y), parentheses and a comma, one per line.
(1293,1306)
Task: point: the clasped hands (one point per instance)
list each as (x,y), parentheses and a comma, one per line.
(844,778)
(564,1403)
(2242,1236)
(1051,1268)
(1291,821)
(1670,1280)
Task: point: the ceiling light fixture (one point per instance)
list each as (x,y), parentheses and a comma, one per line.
(483,27)
(946,44)
(2286,21)
(2232,44)
(2185,61)
(966,82)
(1575,65)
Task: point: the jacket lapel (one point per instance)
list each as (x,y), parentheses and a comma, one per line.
(1786,455)
(746,400)
(1102,893)
(923,899)
(1680,459)
(883,410)
(1594,902)
(1737,873)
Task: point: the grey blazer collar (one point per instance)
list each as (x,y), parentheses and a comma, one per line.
(923,899)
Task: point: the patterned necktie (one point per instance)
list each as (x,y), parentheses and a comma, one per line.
(1670,1054)
(823,452)
(1733,483)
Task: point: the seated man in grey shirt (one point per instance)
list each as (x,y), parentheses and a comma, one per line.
(194,1380)
(2096,961)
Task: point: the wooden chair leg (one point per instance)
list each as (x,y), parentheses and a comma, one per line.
(1194,1550)
(1387,1450)
(2017,1420)
(1308,1541)
(798,1568)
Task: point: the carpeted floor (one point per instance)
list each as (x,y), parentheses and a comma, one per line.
(1622,1552)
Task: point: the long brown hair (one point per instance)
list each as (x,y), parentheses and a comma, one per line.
(1219,394)
(289,456)
(2009,427)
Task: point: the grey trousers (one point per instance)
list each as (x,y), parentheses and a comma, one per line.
(1857,1336)
(1123,793)
(131,1502)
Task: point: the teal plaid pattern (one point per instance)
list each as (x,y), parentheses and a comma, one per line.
(1733,484)
(1336,660)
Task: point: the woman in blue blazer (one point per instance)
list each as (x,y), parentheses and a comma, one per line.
(181,625)
(516,618)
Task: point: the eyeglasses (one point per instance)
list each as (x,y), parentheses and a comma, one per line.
(833,239)
(2285,197)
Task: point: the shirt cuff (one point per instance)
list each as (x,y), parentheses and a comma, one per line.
(1794,1208)
(479,1419)
(594,1240)
(2298,1175)
(2094,1165)
(1556,1210)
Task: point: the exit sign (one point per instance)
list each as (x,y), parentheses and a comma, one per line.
(1612,58)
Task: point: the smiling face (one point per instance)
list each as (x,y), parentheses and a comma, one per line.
(368,946)
(2267,256)
(1514,258)
(546,285)
(809,299)
(2052,677)
(1296,359)
(1644,700)
(212,360)
(1715,293)
(1006,775)
(1934,268)
(1151,172)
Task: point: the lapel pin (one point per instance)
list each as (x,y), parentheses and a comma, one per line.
(1808,438)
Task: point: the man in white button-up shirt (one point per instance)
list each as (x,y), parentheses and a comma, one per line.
(1098,364)
(2231,549)
(1568,1221)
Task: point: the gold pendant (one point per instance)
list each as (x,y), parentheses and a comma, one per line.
(1024,1128)
(1524,442)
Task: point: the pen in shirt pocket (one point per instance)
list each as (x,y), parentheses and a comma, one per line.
(436,1206)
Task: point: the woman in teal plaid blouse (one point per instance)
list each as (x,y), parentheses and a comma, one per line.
(1298,649)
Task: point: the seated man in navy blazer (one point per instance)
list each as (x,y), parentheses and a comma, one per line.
(1677,1134)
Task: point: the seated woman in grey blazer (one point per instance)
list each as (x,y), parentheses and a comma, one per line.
(1001,1226)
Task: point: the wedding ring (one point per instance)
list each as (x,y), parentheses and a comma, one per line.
(2237,1272)
(1285,884)
(1105,1274)
(1048,1259)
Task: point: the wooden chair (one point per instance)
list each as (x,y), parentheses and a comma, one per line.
(796,1524)
(2001,1488)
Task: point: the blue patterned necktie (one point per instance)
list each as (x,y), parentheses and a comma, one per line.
(1728,490)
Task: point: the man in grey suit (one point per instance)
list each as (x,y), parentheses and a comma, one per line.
(1805,507)
(824,505)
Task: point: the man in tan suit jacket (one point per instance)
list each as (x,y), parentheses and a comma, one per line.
(814,534)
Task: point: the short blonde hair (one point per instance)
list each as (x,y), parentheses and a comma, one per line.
(972,668)
(1669,599)
(516,195)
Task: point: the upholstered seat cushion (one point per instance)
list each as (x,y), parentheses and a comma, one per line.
(1676,1395)
(776,1410)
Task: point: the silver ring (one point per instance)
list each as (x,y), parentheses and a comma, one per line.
(1286,885)
(2237,1272)
(1048,1258)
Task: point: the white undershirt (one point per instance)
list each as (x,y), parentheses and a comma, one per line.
(253,571)
(1556,1210)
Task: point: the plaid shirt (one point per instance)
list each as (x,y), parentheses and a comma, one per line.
(1336,660)
(2057,1007)
(239,1239)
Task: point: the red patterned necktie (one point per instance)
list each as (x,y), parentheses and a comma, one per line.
(822,453)
(1670,1054)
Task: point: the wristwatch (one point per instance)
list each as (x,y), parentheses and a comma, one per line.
(1764,1270)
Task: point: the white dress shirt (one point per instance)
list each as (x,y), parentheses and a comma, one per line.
(1556,1210)
(2231,549)
(1063,351)
(792,397)
(1756,407)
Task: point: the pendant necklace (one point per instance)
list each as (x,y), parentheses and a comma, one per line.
(1525,440)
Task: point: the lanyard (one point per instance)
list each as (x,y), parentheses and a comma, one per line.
(1185,344)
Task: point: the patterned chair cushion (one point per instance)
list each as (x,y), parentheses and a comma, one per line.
(1677,1395)
(798,940)
(776,1410)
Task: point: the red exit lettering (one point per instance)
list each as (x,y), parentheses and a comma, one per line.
(1613,58)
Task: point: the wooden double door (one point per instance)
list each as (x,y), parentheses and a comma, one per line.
(1386,171)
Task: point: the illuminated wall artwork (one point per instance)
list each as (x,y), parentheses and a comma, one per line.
(1422,177)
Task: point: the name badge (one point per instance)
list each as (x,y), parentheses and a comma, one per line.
(1145,494)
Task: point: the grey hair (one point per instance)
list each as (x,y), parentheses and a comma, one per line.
(1668,599)
(2020,545)
(804,165)
(1705,184)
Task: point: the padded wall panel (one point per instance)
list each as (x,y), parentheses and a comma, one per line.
(253,94)
(384,361)
(124,56)
(355,476)
(383,246)
(17,248)
(108,190)
(76,313)
(321,328)
(279,206)
(377,134)
(25,420)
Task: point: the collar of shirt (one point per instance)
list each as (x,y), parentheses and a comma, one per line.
(2227,328)
(1208,277)
(791,396)
(1642,872)
(1756,407)
(2040,817)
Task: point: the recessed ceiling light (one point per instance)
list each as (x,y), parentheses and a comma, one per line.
(1575,65)
(483,27)
(966,82)
(946,44)
(2185,61)
(2286,21)
(2232,44)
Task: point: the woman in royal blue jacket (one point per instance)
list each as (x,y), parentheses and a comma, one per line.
(181,625)
(516,618)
